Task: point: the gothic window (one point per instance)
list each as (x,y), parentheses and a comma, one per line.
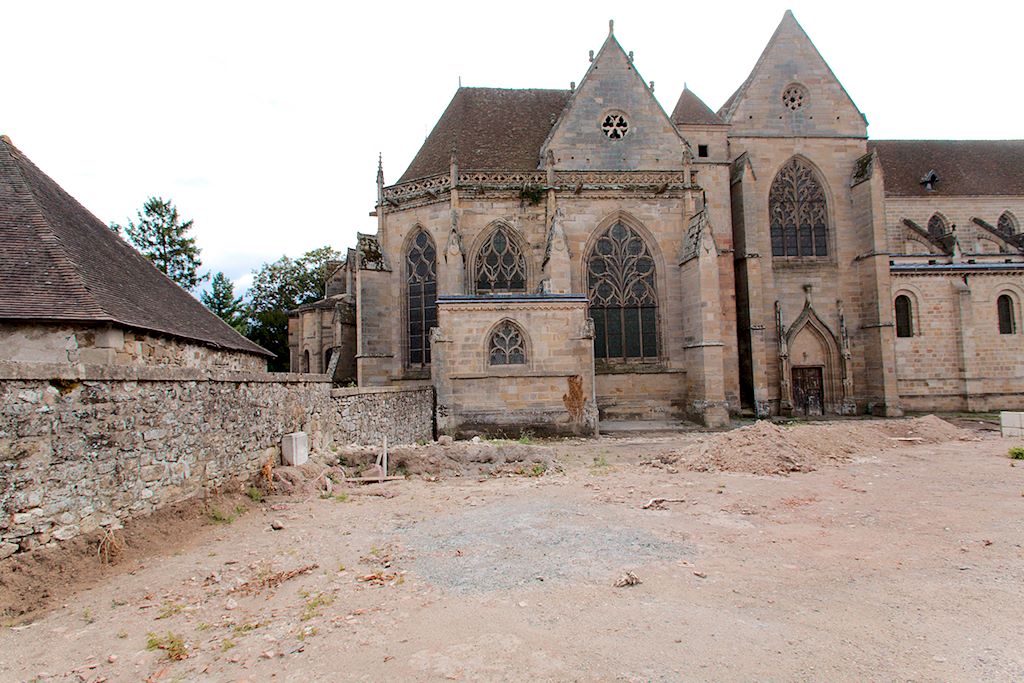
(937,225)
(1007,223)
(796,207)
(500,264)
(1007,321)
(305,361)
(615,125)
(904,316)
(623,295)
(506,346)
(794,96)
(421,293)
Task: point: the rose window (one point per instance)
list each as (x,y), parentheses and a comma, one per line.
(794,96)
(615,126)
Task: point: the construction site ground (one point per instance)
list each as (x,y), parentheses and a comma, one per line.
(849,550)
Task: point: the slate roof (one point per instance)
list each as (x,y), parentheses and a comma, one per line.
(59,262)
(691,110)
(964,167)
(490,129)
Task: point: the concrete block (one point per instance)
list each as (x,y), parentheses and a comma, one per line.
(295,448)
(1009,418)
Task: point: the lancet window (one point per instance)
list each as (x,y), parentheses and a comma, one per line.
(798,212)
(421,294)
(623,295)
(506,346)
(500,264)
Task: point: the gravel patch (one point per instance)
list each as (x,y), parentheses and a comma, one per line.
(514,544)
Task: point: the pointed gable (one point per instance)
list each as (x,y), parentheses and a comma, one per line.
(612,122)
(691,111)
(61,263)
(792,91)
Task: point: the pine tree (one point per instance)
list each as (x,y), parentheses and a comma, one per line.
(222,301)
(162,237)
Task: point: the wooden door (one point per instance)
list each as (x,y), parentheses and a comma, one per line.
(808,390)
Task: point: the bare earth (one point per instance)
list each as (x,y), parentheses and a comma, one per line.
(904,563)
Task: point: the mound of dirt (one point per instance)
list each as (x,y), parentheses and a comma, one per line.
(768,448)
(458,458)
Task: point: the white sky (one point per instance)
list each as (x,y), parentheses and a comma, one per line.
(262,121)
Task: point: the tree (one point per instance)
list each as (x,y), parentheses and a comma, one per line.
(222,301)
(162,237)
(279,287)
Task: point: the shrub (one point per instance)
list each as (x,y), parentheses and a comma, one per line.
(1016,453)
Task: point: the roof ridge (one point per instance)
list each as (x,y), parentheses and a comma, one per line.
(44,232)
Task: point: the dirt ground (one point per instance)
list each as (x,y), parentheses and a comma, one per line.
(880,551)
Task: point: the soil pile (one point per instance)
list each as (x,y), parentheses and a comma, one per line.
(768,448)
(456,458)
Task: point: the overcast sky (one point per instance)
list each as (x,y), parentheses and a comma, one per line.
(263,121)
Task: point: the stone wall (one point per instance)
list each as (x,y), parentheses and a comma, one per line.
(87,447)
(550,391)
(114,345)
(956,358)
(959,212)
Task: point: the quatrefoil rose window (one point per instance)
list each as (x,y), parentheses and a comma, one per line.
(615,125)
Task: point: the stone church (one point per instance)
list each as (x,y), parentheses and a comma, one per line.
(555,257)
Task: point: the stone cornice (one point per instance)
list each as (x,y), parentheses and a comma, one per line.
(438,187)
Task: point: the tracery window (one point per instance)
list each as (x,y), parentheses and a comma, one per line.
(904,316)
(794,96)
(1007,319)
(615,125)
(421,296)
(937,225)
(1007,223)
(500,264)
(798,212)
(623,295)
(506,346)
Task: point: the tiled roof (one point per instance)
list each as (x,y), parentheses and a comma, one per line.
(61,263)
(964,167)
(489,129)
(691,110)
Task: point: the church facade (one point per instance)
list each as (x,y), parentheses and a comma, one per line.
(552,258)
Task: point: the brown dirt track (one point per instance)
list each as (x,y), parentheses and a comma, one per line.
(874,559)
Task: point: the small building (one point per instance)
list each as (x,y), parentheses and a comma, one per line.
(322,334)
(72,292)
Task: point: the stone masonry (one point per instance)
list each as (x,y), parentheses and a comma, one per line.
(80,450)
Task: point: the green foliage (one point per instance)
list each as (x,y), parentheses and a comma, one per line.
(172,644)
(220,517)
(1016,453)
(221,300)
(313,604)
(279,287)
(162,237)
(255,495)
(526,437)
(533,194)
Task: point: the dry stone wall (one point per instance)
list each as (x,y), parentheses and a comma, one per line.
(81,450)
